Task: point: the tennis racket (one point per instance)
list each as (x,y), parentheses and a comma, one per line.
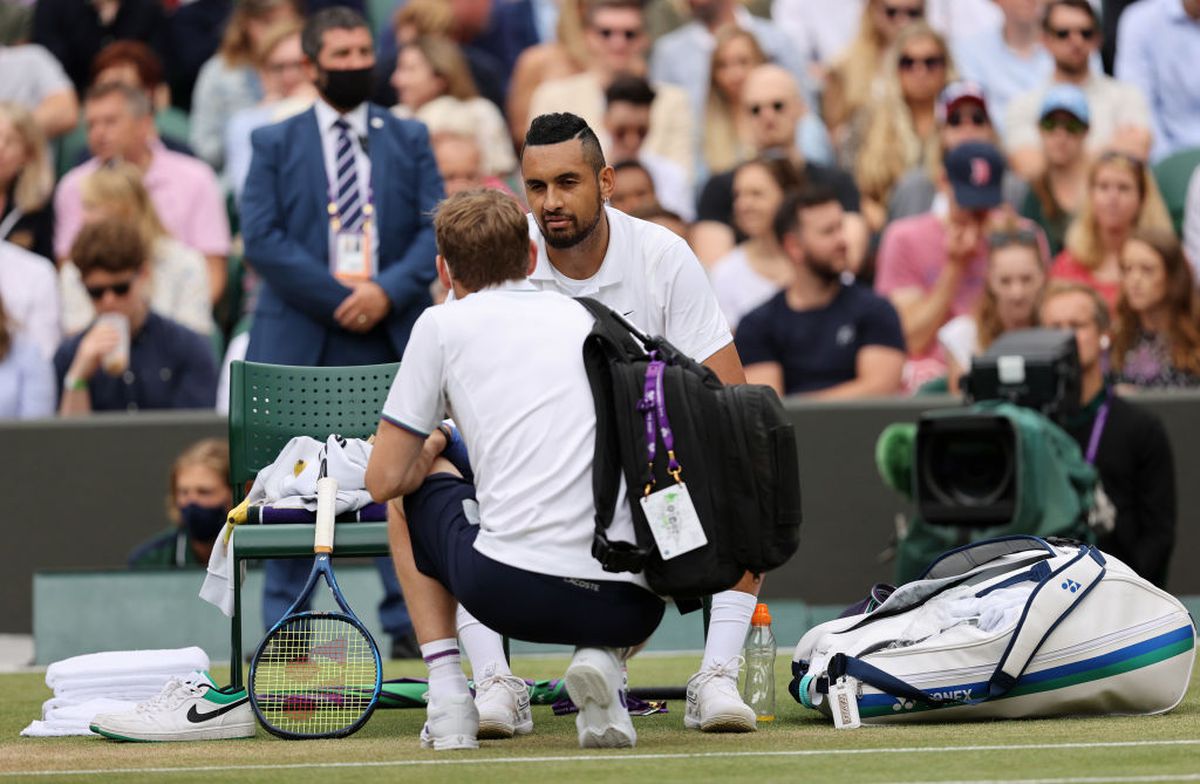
(316,674)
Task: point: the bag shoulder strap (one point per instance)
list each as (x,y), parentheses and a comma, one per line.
(607,343)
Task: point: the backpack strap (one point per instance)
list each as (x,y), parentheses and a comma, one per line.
(609,342)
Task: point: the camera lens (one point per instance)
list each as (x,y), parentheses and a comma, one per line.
(970,469)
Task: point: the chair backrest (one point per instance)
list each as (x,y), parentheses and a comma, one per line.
(1173,175)
(271,404)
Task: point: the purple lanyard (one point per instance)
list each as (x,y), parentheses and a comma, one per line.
(653,406)
(1097,431)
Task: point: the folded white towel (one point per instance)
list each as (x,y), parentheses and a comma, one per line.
(169,661)
(218,579)
(74,719)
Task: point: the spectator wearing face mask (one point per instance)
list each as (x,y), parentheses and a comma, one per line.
(198,501)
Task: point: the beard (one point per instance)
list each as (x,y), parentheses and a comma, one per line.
(828,270)
(575,236)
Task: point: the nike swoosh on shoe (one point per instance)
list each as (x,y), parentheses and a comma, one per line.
(196,717)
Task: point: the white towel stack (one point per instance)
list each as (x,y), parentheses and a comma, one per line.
(107,682)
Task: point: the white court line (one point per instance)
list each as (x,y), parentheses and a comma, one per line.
(1076,780)
(619,757)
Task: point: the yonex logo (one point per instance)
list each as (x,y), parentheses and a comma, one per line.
(1071,585)
(903,705)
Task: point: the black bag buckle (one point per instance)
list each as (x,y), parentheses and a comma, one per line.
(618,556)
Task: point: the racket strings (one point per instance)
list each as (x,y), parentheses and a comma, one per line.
(316,675)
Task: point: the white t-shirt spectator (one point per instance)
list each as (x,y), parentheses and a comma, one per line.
(740,289)
(1191,223)
(1111,104)
(29,287)
(30,74)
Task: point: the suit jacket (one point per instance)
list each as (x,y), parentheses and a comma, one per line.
(285,226)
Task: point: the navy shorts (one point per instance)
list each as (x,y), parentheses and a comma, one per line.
(514,602)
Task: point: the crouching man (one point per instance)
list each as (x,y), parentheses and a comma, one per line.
(506,362)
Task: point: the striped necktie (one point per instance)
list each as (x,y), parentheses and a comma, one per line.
(349,201)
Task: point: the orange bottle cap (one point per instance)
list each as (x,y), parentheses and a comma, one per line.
(762,616)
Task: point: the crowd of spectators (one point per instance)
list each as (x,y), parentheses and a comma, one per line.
(974,150)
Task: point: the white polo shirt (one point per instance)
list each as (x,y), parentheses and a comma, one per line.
(649,275)
(507,364)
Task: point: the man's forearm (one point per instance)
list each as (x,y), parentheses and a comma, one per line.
(922,316)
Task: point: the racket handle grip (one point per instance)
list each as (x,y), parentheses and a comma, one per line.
(327,488)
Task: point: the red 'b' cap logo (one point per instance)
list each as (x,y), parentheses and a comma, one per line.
(981,171)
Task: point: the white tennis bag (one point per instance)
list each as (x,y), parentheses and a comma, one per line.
(1004,628)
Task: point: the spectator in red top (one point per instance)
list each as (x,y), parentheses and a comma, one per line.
(1121,197)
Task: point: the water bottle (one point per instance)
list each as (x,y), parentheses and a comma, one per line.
(759,689)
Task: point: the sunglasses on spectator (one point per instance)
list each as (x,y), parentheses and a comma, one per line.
(978,118)
(1071,125)
(758,108)
(608,32)
(120,289)
(1063,33)
(1023,237)
(640,131)
(934,63)
(894,11)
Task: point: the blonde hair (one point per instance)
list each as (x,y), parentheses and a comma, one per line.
(447,61)
(429,17)
(1083,236)
(853,75)
(275,35)
(210,453)
(237,48)
(721,147)
(891,146)
(119,186)
(569,31)
(35,182)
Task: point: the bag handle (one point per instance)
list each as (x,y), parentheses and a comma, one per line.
(1052,600)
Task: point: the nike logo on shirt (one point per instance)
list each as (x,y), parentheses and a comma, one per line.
(196,717)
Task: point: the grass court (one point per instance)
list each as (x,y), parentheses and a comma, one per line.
(799,745)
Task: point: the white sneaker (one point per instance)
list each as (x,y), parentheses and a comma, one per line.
(713,702)
(190,708)
(503,704)
(451,723)
(594,682)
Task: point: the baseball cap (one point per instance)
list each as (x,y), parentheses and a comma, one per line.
(1066,98)
(956,93)
(975,171)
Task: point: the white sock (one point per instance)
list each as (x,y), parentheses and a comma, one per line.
(727,627)
(446,677)
(484,648)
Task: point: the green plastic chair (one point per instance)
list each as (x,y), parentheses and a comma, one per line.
(268,406)
(1173,174)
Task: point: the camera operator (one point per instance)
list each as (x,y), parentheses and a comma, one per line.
(1126,443)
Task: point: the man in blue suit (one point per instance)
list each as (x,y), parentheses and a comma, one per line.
(337,219)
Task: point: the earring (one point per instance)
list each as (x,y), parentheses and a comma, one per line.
(1105,342)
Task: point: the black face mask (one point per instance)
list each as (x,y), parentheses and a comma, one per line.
(346,88)
(203,523)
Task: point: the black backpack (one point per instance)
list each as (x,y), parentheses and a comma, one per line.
(735,449)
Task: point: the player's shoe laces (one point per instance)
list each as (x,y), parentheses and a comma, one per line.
(713,702)
(594,683)
(503,704)
(190,708)
(451,723)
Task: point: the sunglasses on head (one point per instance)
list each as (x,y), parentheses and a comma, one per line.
(1071,125)
(1063,33)
(120,289)
(894,11)
(1023,237)
(977,117)
(758,108)
(608,32)
(936,62)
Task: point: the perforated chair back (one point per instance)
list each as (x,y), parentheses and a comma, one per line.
(271,404)
(1173,175)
